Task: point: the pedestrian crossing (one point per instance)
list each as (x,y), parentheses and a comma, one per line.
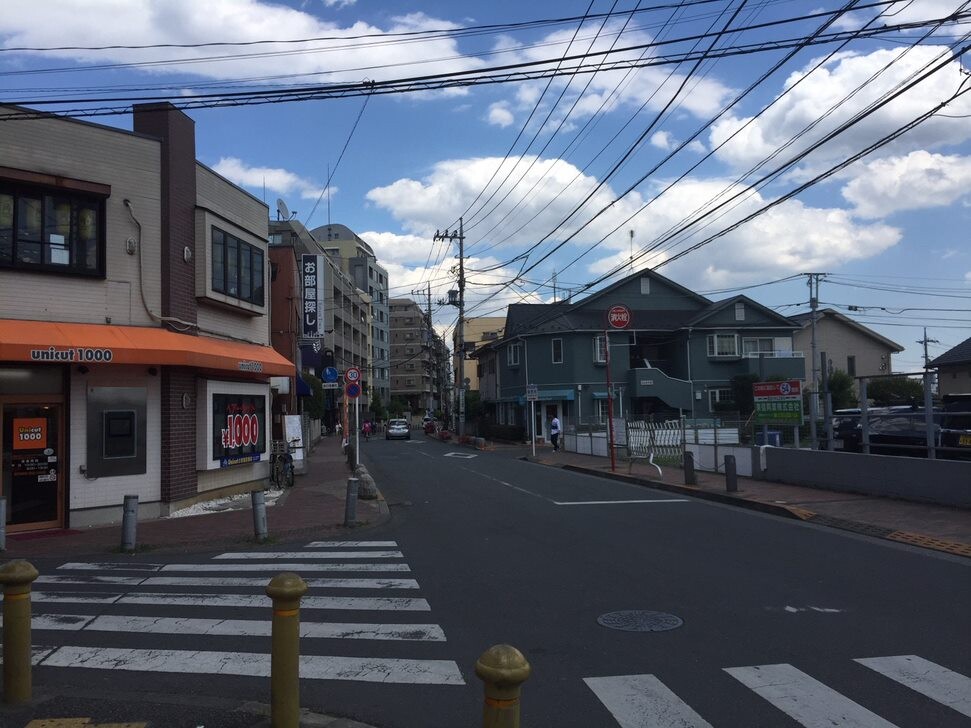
(132,616)
(644,701)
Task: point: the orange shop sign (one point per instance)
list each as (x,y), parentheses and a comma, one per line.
(30,433)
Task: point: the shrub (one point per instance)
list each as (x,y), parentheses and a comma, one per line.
(507,433)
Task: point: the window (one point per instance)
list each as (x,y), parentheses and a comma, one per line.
(237,268)
(600,349)
(758,346)
(53,232)
(720,394)
(851,365)
(645,285)
(601,410)
(557,351)
(722,345)
(512,354)
(739,311)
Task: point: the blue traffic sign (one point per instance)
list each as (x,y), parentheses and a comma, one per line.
(353,390)
(330,374)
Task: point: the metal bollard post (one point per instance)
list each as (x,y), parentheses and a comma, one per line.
(350,502)
(16,577)
(3,523)
(285,590)
(503,669)
(731,478)
(689,468)
(258,500)
(129,522)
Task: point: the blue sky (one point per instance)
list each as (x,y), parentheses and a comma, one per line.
(654,147)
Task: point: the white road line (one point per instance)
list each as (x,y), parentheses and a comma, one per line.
(110,566)
(618,502)
(261,601)
(312,667)
(261,582)
(249,555)
(937,683)
(805,699)
(351,544)
(462,455)
(273,567)
(89,579)
(643,701)
(234,627)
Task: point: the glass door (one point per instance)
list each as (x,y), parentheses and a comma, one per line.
(32,475)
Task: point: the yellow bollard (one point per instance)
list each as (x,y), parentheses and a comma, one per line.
(503,669)
(285,590)
(16,577)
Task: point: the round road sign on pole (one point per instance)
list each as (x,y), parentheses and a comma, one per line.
(353,390)
(353,374)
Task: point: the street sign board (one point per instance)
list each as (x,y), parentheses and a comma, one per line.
(353,374)
(532,393)
(353,390)
(331,385)
(778,403)
(619,316)
(330,374)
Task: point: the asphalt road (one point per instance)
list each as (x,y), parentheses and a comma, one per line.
(508,551)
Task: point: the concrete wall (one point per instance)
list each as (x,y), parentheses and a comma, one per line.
(945,482)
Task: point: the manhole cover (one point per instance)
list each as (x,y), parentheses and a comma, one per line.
(639,620)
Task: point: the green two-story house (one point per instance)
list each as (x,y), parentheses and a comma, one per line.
(671,353)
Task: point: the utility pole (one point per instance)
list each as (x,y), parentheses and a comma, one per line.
(459,301)
(925,341)
(813,402)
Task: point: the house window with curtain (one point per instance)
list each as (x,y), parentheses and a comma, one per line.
(722,345)
(600,349)
(758,346)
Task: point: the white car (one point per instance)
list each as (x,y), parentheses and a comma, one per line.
(397,430)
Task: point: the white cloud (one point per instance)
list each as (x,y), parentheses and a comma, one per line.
(274,179)
(697,147)
(338,3)
(662,140)
(918,180)
(141,22)
(828,87)
(500,115)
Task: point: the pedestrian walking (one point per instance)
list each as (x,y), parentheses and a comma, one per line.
(555,434)
(367,430)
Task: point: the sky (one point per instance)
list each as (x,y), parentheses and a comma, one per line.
(732,145)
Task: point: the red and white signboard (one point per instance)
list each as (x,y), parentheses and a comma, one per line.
(352,375)
(790,388)
(619,316)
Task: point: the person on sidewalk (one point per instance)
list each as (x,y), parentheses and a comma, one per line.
(555,434)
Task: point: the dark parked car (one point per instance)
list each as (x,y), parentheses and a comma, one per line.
(956,426)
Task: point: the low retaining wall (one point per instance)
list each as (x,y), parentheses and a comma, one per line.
(712,459)
(944,482)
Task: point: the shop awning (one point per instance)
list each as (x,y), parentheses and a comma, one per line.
(92,344)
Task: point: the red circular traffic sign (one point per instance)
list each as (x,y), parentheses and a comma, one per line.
(353,374)
(353,390)
(619,316)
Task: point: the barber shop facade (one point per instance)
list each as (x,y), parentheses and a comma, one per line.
(134,334)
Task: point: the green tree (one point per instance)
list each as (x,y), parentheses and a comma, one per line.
(377,407)
(841,388)
(398,406)
(894,391)
(314,404)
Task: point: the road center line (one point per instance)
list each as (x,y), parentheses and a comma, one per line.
(618,502)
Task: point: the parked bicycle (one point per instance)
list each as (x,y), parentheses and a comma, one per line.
(281,462)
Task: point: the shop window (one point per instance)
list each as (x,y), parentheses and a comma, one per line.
(57,232)
(237,268)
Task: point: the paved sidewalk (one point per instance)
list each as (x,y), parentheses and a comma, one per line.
(941,528)
(314,507)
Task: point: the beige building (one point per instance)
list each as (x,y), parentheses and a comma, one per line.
(478,332)
(954,369)
(850,347)
(134,355)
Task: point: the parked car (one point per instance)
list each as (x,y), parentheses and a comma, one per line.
(397,430)
(956,426)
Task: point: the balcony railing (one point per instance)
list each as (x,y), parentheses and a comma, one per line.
(782,354)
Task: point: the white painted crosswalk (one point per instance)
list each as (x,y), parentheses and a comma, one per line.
(223,600)
(644,701)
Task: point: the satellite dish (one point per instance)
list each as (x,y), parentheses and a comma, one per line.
(282,211)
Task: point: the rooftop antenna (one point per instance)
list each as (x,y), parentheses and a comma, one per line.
(282,211)
(631,231)
(328,196)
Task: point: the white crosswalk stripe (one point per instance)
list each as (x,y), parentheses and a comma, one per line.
(643,701)
(132,605)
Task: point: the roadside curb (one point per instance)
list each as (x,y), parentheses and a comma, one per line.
(955,548)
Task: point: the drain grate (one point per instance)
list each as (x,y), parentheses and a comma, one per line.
(640,620)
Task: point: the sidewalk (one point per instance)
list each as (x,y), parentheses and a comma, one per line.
(314,507)
(935,527)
